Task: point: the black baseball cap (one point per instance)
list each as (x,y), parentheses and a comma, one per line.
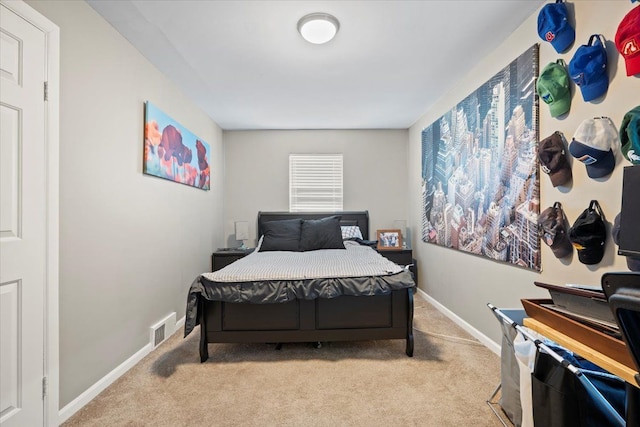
(589,234)
(553,230)
(553,160)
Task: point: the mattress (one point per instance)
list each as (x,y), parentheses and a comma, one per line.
(354,260)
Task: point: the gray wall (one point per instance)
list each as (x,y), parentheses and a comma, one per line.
(130,244)
(257,172)
(465,283)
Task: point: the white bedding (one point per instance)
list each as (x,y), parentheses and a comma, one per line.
(354,261)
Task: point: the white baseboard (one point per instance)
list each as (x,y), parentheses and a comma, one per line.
(180,323)
(76,404)
(488,342)
(89,394)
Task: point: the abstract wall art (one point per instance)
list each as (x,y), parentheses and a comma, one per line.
(172,152)
(480,182)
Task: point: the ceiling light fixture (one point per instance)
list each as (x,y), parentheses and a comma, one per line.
(318,28)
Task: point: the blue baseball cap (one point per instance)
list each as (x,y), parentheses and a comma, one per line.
(592,144)
(588,68)
(554,26)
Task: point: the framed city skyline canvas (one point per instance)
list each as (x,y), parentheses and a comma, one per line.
(172,152)
(480,180)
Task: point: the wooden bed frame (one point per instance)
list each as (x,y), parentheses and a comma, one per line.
(345,318)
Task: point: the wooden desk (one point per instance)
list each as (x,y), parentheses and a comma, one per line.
(583,350)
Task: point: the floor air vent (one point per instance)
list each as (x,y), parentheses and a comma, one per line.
(158,336)
(163,329)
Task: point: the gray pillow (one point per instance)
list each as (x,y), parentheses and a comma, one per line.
(281,235)
(322,233)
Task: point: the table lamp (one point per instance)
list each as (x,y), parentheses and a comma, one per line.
(242,232)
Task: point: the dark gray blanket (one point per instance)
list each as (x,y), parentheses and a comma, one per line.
(281,291)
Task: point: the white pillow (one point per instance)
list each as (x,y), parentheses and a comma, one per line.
(257,249)
(350,232)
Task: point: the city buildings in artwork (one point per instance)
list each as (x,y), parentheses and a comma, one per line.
(479,169)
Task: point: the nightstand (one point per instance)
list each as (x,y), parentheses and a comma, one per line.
(225,256)
(401,257)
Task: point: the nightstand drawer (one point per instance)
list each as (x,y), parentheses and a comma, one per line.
(400,257)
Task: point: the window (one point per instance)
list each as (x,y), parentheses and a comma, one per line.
(315,182)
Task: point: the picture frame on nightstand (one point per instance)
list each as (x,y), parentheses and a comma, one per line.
(389,239)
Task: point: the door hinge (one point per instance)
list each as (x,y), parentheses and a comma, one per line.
(46,91)
(44,387)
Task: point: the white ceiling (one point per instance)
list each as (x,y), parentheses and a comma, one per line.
(245,64)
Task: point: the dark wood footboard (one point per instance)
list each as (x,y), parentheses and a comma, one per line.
(344,318)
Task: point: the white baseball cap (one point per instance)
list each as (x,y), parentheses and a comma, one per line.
(592,145)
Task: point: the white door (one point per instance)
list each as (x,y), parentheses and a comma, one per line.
(23,214)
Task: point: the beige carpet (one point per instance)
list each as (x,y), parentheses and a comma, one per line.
(369,383)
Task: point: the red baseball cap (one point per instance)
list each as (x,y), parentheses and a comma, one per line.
(628,40)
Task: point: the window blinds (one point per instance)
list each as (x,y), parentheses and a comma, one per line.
(315,182)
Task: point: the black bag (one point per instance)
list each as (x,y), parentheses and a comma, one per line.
(560,399)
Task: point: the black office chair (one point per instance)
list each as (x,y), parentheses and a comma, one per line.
(623,293)
(625,304)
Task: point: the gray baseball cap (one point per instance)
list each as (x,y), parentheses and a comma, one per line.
(553,230)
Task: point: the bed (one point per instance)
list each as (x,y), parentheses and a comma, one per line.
(236,305)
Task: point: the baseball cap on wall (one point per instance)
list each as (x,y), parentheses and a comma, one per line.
(553,230)
(633,263)
(589,234)
(591,144)
(588,68)
(630,135)
(553,160)
(554,26)
(628,41)
(553,87)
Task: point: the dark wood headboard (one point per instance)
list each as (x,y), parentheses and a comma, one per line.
(359,218)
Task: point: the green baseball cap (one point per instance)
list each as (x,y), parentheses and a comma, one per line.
(553,87)
(630,135)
